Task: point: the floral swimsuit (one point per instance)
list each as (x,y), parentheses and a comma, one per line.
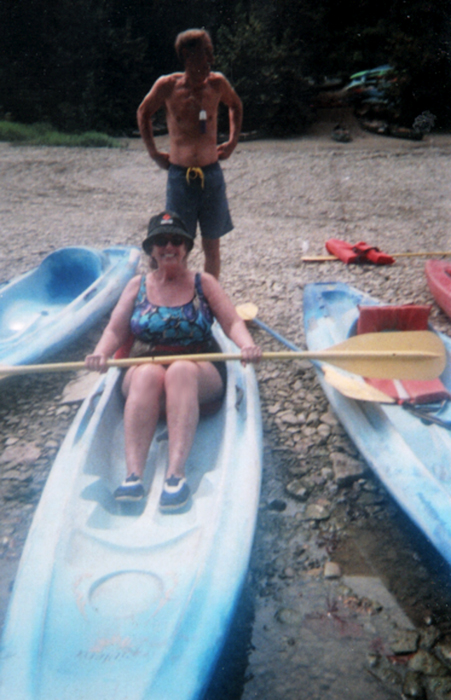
(174,329)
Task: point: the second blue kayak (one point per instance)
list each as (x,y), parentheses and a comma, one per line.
(410,454)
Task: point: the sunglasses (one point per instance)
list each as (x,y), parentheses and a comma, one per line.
(162,240)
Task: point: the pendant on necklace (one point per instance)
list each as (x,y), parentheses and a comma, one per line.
(203,121)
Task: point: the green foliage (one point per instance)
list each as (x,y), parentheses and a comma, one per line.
(266,74)
(87,64)
(420,51)
(44,135)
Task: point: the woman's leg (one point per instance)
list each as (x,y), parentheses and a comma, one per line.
(143,389)
(187,385)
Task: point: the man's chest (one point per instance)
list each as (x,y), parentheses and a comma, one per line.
(187,104)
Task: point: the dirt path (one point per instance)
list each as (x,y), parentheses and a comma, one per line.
(287,198)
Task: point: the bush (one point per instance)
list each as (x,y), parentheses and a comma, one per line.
(42,134)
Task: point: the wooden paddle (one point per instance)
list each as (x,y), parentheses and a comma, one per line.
(401,355)
(333,258)
(352,387)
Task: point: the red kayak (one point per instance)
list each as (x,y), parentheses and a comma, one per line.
(438,274)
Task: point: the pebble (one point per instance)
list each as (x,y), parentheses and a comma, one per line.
(332,570)
(426,663)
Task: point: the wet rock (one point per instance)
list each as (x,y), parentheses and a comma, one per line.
(438,688)
(346,469)
(329,418)
(332,570)
(297,489)
(412,686)
(277,505)
(51,445)
(443,652)
(317,511)
(291,419)
(302,447)
(20,454)
(430,637)
(11,441)
(18,489)
(405,642)
(288,616)
(63,410)
(383,670)
(288,572)
(425,662)
(298,468)
(324,430)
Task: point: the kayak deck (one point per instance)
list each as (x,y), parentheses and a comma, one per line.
(410,457)
(117,600)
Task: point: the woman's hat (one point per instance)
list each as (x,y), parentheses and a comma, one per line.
(166,222)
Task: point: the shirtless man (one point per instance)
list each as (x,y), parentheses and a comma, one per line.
(196,186)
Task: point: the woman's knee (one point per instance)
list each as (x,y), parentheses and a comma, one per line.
(181,374)
(145,378)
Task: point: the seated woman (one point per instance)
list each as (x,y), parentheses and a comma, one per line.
(170,310)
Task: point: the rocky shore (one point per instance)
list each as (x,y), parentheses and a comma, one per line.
(345,598)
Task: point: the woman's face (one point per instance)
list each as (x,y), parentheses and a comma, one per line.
(169,249)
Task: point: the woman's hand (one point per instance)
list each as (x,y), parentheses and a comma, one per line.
(97,362)
(251,353)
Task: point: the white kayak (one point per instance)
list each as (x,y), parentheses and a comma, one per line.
(117,601)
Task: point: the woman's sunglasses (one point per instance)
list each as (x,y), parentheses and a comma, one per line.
(162,240)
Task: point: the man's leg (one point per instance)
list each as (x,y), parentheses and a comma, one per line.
(211,248)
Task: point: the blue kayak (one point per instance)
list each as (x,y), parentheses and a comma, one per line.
(45,309)
(117,600)
(407,446)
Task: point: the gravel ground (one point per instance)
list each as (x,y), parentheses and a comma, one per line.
(342,587)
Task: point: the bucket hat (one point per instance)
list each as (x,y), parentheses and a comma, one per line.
(166,222)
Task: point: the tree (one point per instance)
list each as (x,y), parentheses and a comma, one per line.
(266,72)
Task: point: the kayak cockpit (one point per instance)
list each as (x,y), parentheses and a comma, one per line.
(39,295)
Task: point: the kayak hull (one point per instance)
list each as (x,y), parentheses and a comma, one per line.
(438,275)
(412,459)
(47,308)
(117,600)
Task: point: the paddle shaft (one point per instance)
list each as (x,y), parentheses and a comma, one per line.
(276,335)
(406,355)
(333,258)
(324,356)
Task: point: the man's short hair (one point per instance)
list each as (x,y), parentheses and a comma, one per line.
(191,39)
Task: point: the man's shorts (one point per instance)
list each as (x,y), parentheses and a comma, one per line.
(200,197)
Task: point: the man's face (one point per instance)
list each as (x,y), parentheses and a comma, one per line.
(198,61)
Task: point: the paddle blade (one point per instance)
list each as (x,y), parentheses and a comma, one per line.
(399,355)
(354,388)
(247,311)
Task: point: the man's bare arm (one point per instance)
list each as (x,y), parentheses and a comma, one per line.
(233,102)
(152,102)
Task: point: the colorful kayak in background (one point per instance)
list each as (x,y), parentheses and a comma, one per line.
(116,600)
(438,275)
(48,307)
(408,446)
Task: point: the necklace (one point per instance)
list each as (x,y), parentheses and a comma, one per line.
(198,105)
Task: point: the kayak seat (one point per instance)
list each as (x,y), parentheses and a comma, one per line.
(406,317)
(68,272)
